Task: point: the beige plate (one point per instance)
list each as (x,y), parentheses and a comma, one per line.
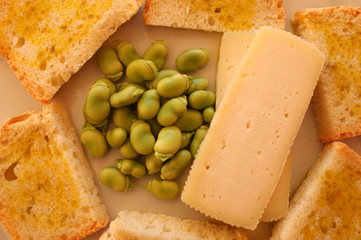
(14,100)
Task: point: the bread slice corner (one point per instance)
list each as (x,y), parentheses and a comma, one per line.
(47,189)
(326,205)
(46,42)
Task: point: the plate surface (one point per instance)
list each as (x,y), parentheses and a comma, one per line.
(14,100)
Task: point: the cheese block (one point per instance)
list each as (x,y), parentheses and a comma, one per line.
(233,47)
(242,156)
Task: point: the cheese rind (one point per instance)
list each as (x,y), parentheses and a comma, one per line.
(242,156)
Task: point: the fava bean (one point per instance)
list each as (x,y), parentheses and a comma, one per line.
(161,74)
(109,64)
(94,141)
(127,150)
(126,53)
(198,139)
(123,118)
(176,165)
(131,167)
(141,70)
(208,114)
(110,84)
(141,137)
(128,94)
(189,121)
(112,177)
(152,163)
(97,108)
(201,99)
(173,86)
(197,84)
(116,137)
(164,189)
(157,53)
(169,141)
(172,110)
(148,104)
(186,139)
(192,59)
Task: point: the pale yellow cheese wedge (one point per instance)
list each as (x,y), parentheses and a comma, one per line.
(242,156)
(234,46)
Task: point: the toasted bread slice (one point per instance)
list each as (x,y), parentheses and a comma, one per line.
(326,206)
(215,15)
(46,186)
(336,103)
(46,42)
(151,226)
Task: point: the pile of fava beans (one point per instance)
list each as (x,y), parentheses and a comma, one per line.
(156,117)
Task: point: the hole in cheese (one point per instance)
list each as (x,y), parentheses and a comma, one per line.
(20,42)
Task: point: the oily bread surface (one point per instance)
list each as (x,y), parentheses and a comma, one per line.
(47,187)
(132,224)
(336,102)
(323,208)
(221,16)
(46,42)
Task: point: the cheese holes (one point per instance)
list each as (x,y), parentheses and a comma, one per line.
(20,41)
(9,173)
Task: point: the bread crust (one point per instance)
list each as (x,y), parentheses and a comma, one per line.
(43,79)
(180,14)
(74,181)
(336,116)
(133,224)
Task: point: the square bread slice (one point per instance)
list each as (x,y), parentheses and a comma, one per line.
(328,202)
(132,224)
(46,186)
(215,15)
(46,42)
(337,100)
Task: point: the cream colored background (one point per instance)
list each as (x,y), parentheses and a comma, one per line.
(14,100)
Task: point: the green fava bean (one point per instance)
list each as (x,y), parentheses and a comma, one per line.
(148,104)
(192,59)
(154,126)
(186,139)
(208,114)
(161,74)
(198,139)
(201,99)
(189,121)
(97,107)
(126,53)
(131,167)
(163,189)
(128,94)
(141,137)
(141,70)
(116,137)
(197,84)
(127,150)
(153,164)
(172,110)
(123,118)
(110,84)
(169,141)
(94,141)
(112,177)
(173,86)
(157,53)
(109,64)
(176,165)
